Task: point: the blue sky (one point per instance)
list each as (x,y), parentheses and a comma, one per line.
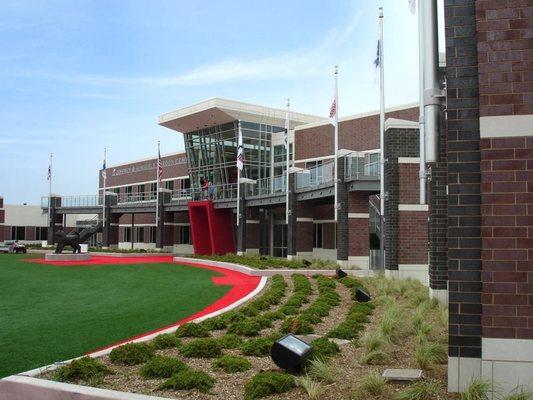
(79,76)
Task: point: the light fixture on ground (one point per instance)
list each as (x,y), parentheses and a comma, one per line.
(341,274)
(290,353)
(361,295)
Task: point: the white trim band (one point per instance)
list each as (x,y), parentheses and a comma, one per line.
(413,207)
(358,215)
(302,219)
(408,160)
(506,126)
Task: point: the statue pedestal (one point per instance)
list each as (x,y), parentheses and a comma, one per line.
(67,257)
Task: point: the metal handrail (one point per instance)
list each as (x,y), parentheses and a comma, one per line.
(138,197)
(315,176)
(357,165)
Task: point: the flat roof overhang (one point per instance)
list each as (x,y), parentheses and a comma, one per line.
(220,111)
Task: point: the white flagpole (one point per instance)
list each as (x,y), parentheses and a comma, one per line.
(50,192)
(382,133)
(157,187)
(104,172)
(239,143)
(336,172)
(422,130)
(287,147)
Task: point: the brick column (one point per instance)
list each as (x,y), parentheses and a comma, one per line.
(110,200)
(241,228)
(291,228)
(253,235)
(55,221)
(359,229)
(164,197)
(342,217)
(464,200)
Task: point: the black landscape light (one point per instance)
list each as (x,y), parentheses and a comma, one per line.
(307,263)
(289,352)
(341,273)
(361,295)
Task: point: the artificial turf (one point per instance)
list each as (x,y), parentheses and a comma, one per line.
(50,313)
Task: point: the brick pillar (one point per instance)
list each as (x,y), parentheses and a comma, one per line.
(342,217)
(291,228)
(464,197)
(359,229)
(165,196)
(253,235)
(241,228)
(437,200)
(55,221)
(110,200)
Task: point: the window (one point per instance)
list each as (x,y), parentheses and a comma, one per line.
(316,171)
(152,234)
(318,236)
(184,234)
(41,233)
(185,183)
(140,191)
(128,190)
(169,185)
(140,234)
(153,190)
(117,191)
(280,153)
(18,233)
(127,234)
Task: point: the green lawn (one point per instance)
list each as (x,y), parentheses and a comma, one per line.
(50,313)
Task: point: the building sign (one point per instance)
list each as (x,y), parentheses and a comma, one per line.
(148,166)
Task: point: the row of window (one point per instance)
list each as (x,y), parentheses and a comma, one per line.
(181,184)
(184,234)
(318,236)
(21,232)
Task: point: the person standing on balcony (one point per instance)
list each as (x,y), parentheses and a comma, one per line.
(210,189)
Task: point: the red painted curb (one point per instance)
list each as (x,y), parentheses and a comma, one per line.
(242,285)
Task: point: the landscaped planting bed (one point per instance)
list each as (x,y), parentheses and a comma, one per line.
(267,262)
(228,357)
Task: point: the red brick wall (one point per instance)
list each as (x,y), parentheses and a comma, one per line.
(507,232)
(140,218)
(412,237)
(409,183)
(505,56)
(129,174)
(359,237)
(2,216)
(328,236)
(355,134)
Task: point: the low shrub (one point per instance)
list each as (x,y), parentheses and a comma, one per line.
(302,290)
(298,326)
(320,369)
(216,323)
(375,357)
(255,261)
(373,384)
(232,364)
(314,390)
(323,348)
(189,379)
(247,327)
(372,341)
(478,389)
(202,348)
(166,341)
(258,347)
(265,383)
(390,324)
(162,367)
(131,354)
(230,341)
(427,354)
(86,369)
(355,319)
(192,329)
(519,393)
(419,391)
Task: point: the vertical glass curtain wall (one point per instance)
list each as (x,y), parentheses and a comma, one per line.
(212,152)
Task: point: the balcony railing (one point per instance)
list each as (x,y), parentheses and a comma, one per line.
(315,176)
(74,201)
(136,198)
(267,186)
(359,165)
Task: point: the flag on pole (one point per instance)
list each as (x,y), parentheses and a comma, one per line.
(159,164)
(49,175)
(412,6)
(104,173)
(287,127)
(240,152)
(333,110)
(377,61)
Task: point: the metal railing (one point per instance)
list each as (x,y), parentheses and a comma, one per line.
(182,194)
(139,197)
(315,176)
(359,165)
(80,201)
(267,186)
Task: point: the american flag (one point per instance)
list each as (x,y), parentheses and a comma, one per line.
(104,173)
(49,172)
(377,61)
(333,111)
(412,6)
(159,165)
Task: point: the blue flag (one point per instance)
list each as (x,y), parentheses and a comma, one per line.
(377,61)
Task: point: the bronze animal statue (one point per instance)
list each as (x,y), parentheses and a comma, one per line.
(73,239)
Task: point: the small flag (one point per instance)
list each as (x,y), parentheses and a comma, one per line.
(333,111)
(377,61)
(240,153)
(287,127)
(104,173)
(49,172)
(412,6)
(159,165)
